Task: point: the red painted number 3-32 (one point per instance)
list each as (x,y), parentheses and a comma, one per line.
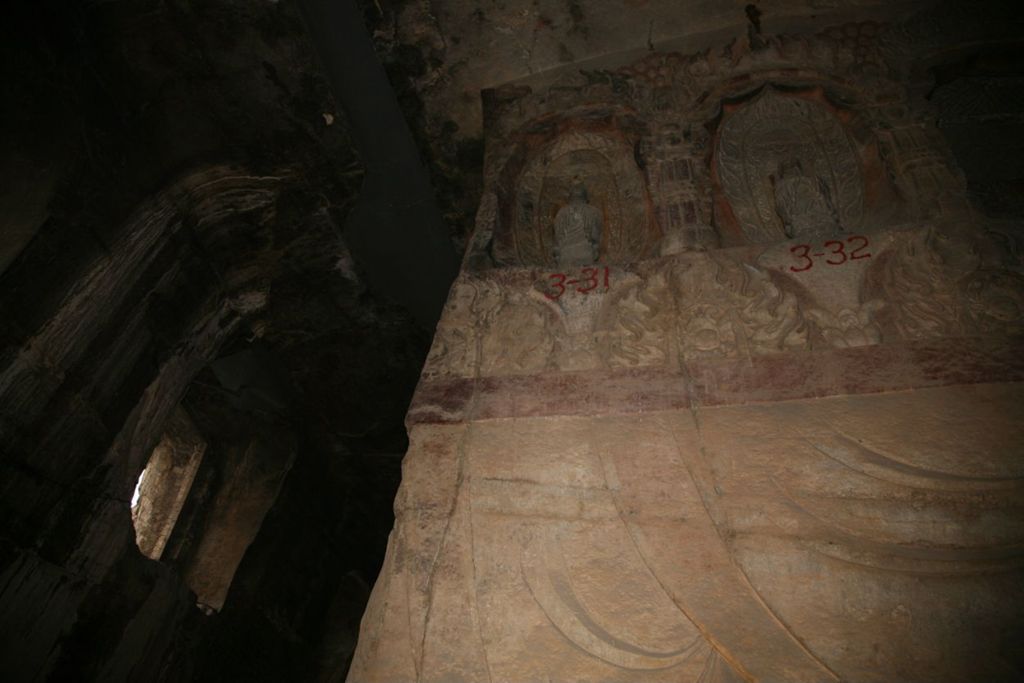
(837,252)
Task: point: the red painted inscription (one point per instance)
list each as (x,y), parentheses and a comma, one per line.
(837,252)
(588,280)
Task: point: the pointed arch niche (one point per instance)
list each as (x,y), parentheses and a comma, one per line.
(598,149)
(757,134)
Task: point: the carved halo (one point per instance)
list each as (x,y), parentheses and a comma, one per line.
(774,128)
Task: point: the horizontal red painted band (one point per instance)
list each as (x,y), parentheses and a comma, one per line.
(711,382)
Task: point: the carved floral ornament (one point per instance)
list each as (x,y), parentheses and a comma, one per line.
(889,288)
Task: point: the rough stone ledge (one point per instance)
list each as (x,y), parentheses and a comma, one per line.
(714,382)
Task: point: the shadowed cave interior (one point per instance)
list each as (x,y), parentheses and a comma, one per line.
(228,231)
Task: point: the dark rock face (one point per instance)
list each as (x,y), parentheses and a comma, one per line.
(177,177)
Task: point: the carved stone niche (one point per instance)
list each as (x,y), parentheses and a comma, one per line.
(560,164)
(790,164)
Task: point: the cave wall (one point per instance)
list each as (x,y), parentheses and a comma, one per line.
(771,432)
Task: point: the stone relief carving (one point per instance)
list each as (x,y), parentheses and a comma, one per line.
(849,327)
(478,255)
(921,298)
(853,512)
(726,304)
(579,196)
(904,169)
(518,337)
(585,557)
(686,559)
(921,170)
(845,483)
(551,584)
(928,295)
(788,169)
(861,534)
(576,325)
(577,230)
(682,191)
(688,237)
(803,202)
(635,322)
(838,309)
(454,349)
(671,81)
(826,488)
(734,310)
(994,301)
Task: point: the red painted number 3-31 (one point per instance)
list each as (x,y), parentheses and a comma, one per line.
(589,280)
